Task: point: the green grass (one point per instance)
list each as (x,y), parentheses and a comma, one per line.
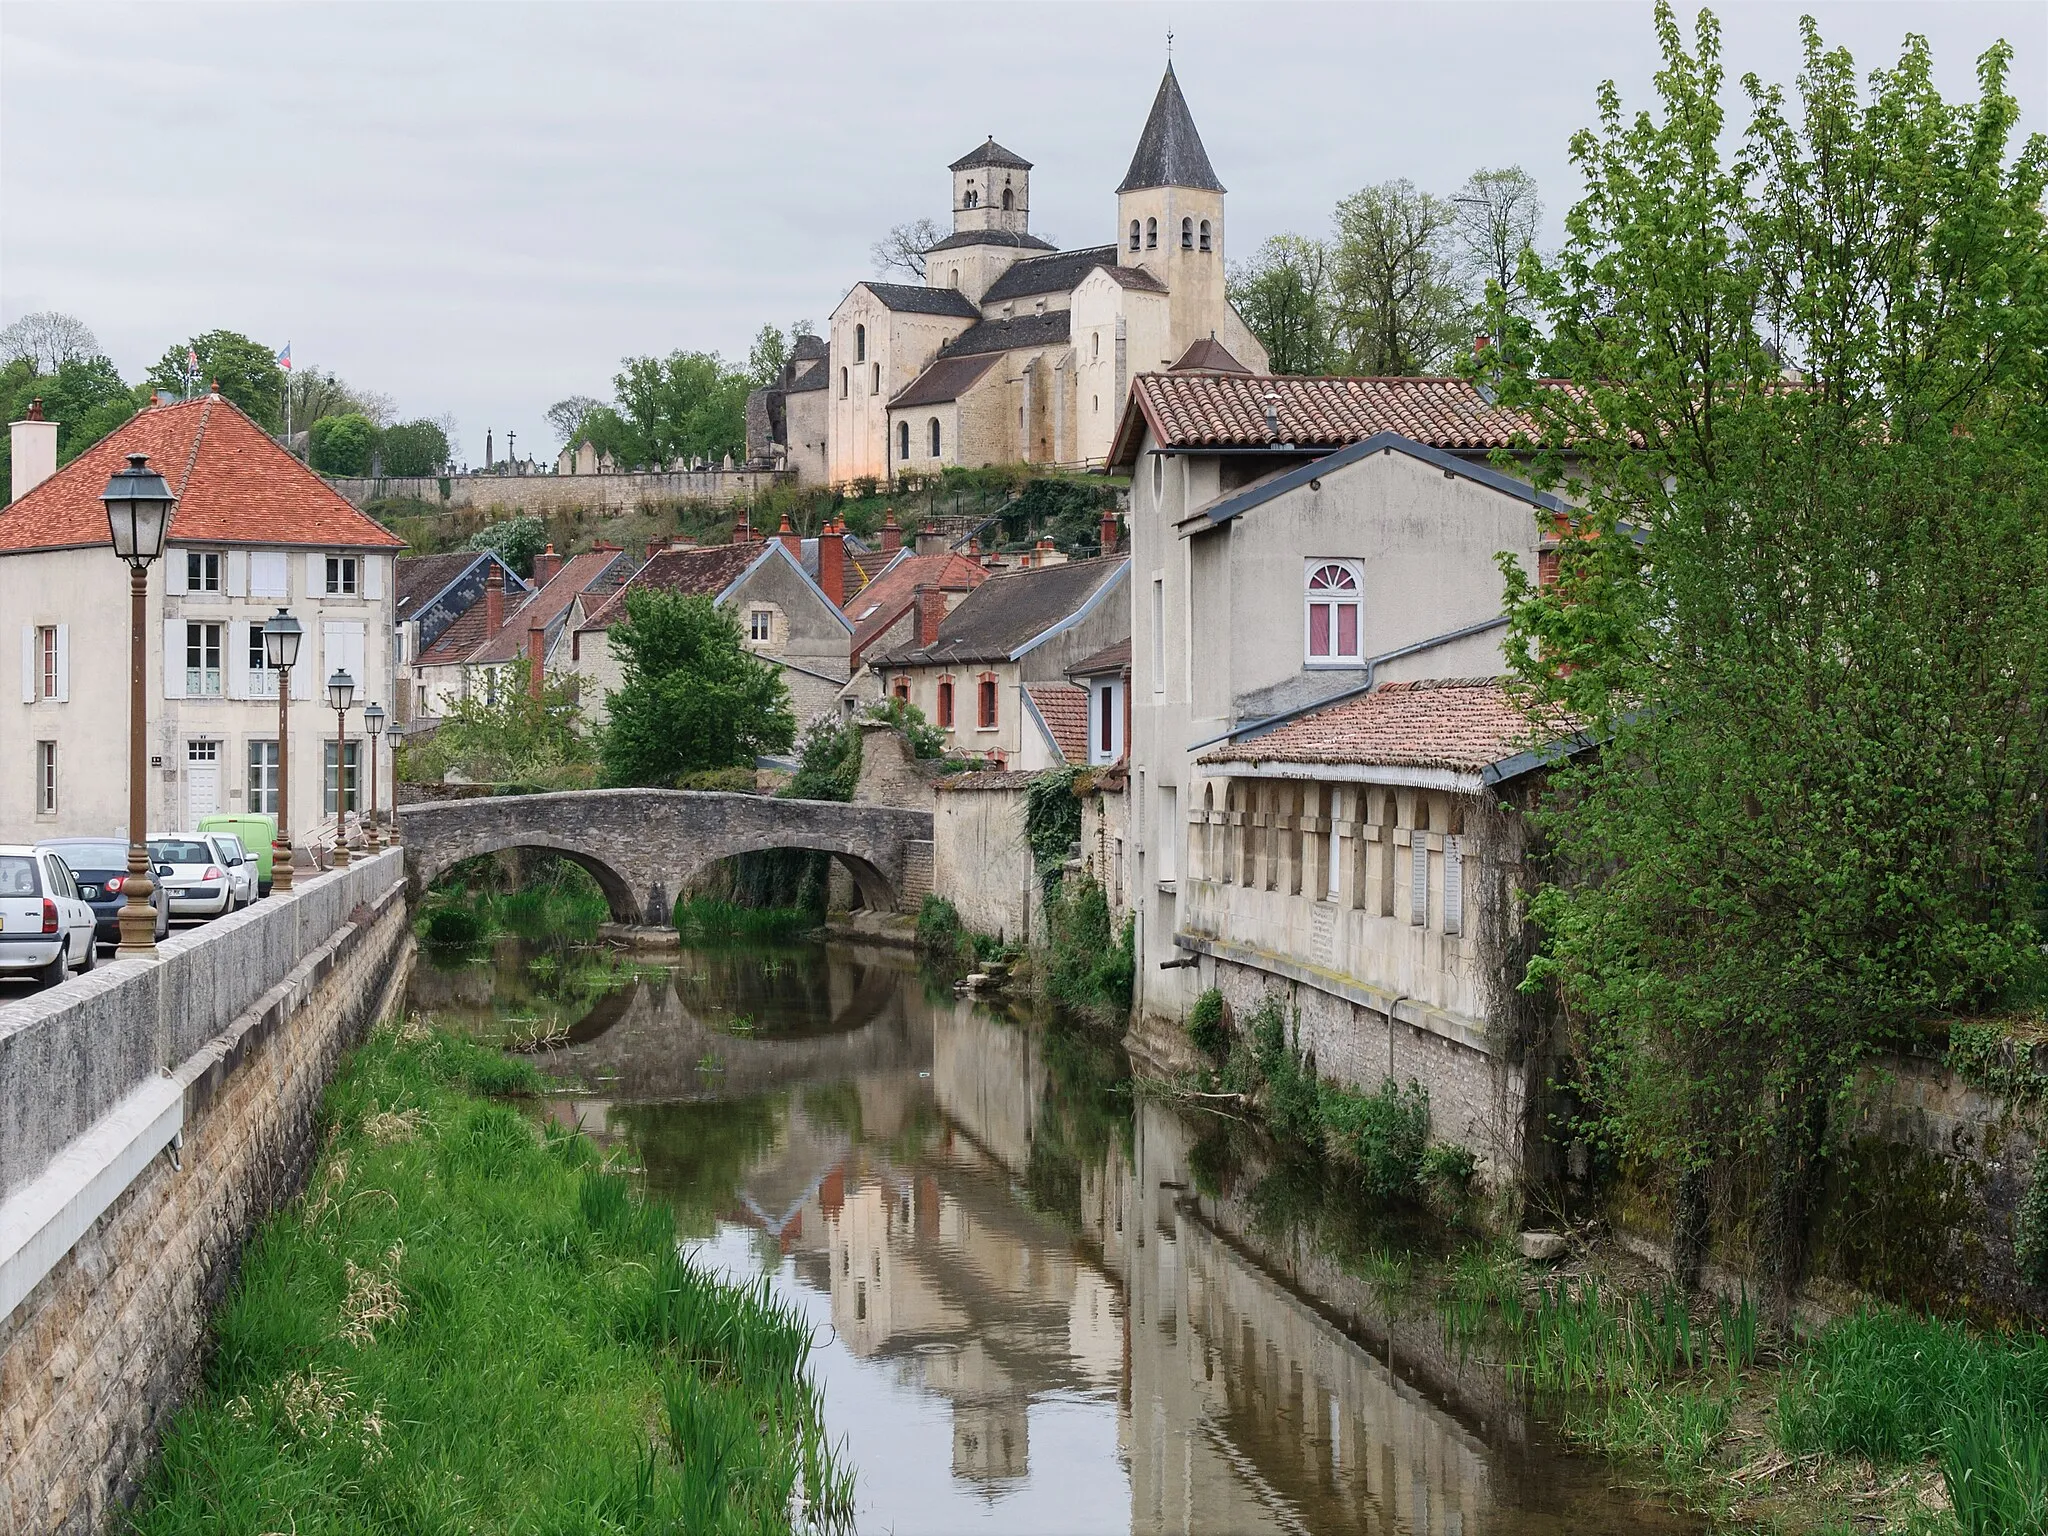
(712,920)
(469,1324)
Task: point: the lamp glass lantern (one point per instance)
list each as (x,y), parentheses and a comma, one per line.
(281,636)
(138,507)
(373,719)
(341,692)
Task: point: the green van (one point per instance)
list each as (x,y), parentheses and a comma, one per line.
(255,833)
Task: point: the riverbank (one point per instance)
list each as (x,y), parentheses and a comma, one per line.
(469,1321)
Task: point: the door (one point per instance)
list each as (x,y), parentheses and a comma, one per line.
(202,780)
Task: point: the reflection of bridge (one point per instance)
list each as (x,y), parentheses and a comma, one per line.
(643,845)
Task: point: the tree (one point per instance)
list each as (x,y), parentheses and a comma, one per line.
(692,696)
(768,354)
(48,340)
(1399,307)
(341,445)
(501,733)
(1806,610)
(1496,216)
(84,396)
(566,416)
(903,249)
(1283,292)
(414,448)
(685,405)
(245,370)
(514,540)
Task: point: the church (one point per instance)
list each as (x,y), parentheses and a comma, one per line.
(1014,351)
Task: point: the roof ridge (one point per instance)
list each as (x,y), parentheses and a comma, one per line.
(192,454)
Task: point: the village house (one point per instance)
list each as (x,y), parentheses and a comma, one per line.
(434,592)
(254,531)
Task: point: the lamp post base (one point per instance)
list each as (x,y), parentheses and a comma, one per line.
(280,865)
(138,917)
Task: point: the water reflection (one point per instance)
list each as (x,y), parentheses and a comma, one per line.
(1029,1318)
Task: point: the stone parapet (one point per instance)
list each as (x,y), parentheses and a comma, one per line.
(540,494)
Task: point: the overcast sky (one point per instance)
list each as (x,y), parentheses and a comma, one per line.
(480,208)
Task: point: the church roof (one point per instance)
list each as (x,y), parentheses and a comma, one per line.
(1208,355)
(813,376)
(1170,152)
(990,153)
(1015,237)
(923,301)
(1047,330)
(947,379)
(1058,273)
(808,346)
(1135,277)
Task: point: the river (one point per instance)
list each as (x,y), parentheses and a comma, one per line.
(1036,1310)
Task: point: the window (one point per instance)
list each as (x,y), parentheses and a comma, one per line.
(202,571)
(985,715)
(935,437)
(202,660)
(263,778)
(1169,831)
(341,575)
(327,760)
(1134,234)
(903,440)
(945,706)
(901,688)
(1105,722)
(1009,202)
(1158,477)
(1332,620)
(761,625)
(1187,234)
(1159,634)
(860,343)
(46,662)
(262,681)
(972,200)
(1094,344)
(842,383)
(1205,235)
(1151,234)
(953,278)
(46,778)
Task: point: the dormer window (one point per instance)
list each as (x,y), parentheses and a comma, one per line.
(1134,234)
(1151,234)
(1205,235)
(1187,234)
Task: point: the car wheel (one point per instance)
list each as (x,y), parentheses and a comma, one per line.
(53,974)
(92,955)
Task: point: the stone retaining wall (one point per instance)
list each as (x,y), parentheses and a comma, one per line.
(539,494)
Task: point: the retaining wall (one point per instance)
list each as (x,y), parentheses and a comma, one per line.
(150,1115)
(545,493)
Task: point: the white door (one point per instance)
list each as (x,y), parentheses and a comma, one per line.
(202,780)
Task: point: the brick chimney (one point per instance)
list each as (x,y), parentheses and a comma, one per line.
(545,564)
(536,654)
(791,539)
(832,561)
(34,446)
(1109,532)
(930,541)
(494,600)
(742,530)
(931,613)
(654,547)
(892,533)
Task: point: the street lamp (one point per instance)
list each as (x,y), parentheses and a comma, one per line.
(139,507)
(341,690)
(281,653)
(373,724)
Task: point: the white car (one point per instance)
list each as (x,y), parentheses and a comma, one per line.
(45,929)
(191,872)
(240,867)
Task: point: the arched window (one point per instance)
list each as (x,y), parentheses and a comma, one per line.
(1332,620)
(1009,202)
(1187,234)
(1134,234)
(1151,234)
(945,706)
(903,440)
(935,437)
(1205,235)
(842,383)
(973,199)
(860,343)
(1094,344)
(985,702)
(953,279)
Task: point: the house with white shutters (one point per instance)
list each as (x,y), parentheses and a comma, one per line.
(254,531)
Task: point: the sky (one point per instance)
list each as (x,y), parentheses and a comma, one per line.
(479,209)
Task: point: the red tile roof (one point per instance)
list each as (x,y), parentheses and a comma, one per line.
(1064,708)
(703,572)
(233,483)
(885,599)
(546,605)
(1465,724)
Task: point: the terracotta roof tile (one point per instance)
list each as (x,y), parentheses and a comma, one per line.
(703,572)
(547,605)
(1064,708)
(1462,724)
(233,483)
(890,595)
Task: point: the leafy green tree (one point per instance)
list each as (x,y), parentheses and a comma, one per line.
(414,448)
(692,696)
(1400,308)
(514,540)
(502,734)
(1284,294)
(246,371)
(84,396)
(1805,606)
(341,445)
(685,405)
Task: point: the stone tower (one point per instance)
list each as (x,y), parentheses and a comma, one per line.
(1170,216)
(991,221)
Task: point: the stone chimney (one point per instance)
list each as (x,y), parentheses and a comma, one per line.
(931,613)
(791,539)
(930,541)
(34,447)
(832,561)
(545,565)
(1109,539)
(494,600)
(536,654)
(892,533)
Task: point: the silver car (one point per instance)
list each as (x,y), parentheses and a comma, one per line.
(46,928)
(192,874)
(240,867)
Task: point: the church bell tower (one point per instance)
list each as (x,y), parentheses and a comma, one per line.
(1170,216)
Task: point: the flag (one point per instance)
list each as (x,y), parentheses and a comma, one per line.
(191,362)
(284,358)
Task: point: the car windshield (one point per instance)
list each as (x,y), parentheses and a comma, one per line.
(17,875)
(180,852)
(93,855)
(230,844)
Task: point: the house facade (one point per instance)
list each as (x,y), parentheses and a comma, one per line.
(254,531)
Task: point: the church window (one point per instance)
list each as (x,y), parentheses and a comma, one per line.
(1205,235)
(973,199)
(842,383)
(1333,613)
(935,437)
(860,343)
(1095,344)
(903,440)
(953,278)
(1009,201)
(1134,234)
(1151,234)
(1187,234)
(1098,403)
(875,380)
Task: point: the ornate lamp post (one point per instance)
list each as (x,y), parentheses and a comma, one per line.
(341,691)
(139,507)
(281,653)
(373,725)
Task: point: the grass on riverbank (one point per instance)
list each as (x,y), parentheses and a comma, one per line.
(468,1323)
(713,920)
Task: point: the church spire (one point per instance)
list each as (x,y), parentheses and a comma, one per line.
(1170,152)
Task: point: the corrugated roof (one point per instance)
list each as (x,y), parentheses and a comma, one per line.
(1465,724)
(1057,273)
(947,379)
(1064,709)
(234,485)
(1170,152)
(906,299)
(1051,329)
(1008,612)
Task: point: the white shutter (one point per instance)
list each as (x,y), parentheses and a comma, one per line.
(269,574)
(238,573)
(1454,885)
(63,663)
(352,638)
(174,658)
(238,658)
(174,570)
(306,673)
(28,663)
(1418,882)
(373,576)
(316,575)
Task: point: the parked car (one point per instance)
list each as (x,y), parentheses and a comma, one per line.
(100,866)
(256,834)
(46,930)
(240,867)
(193,875)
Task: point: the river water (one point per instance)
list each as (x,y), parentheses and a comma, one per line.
(1039,1306)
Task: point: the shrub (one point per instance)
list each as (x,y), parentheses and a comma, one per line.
(940,932)
(2030,1226)
(451,923)
(731,781)
(926,740)
(1091,964)
(1385,1133)
(1206,1028)
(1449,1167)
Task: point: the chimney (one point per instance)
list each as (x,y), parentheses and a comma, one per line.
(892,533)
(1273,415)
(931,613)
(1480,343)
(494,600)
(545,565)
(930,541)
(1109,539)
(654,547)
(742,530)
(536,654)
(791,540)
(34,446)
(682,541)
(832,561)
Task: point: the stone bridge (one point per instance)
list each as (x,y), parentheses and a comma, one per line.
(644,845)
